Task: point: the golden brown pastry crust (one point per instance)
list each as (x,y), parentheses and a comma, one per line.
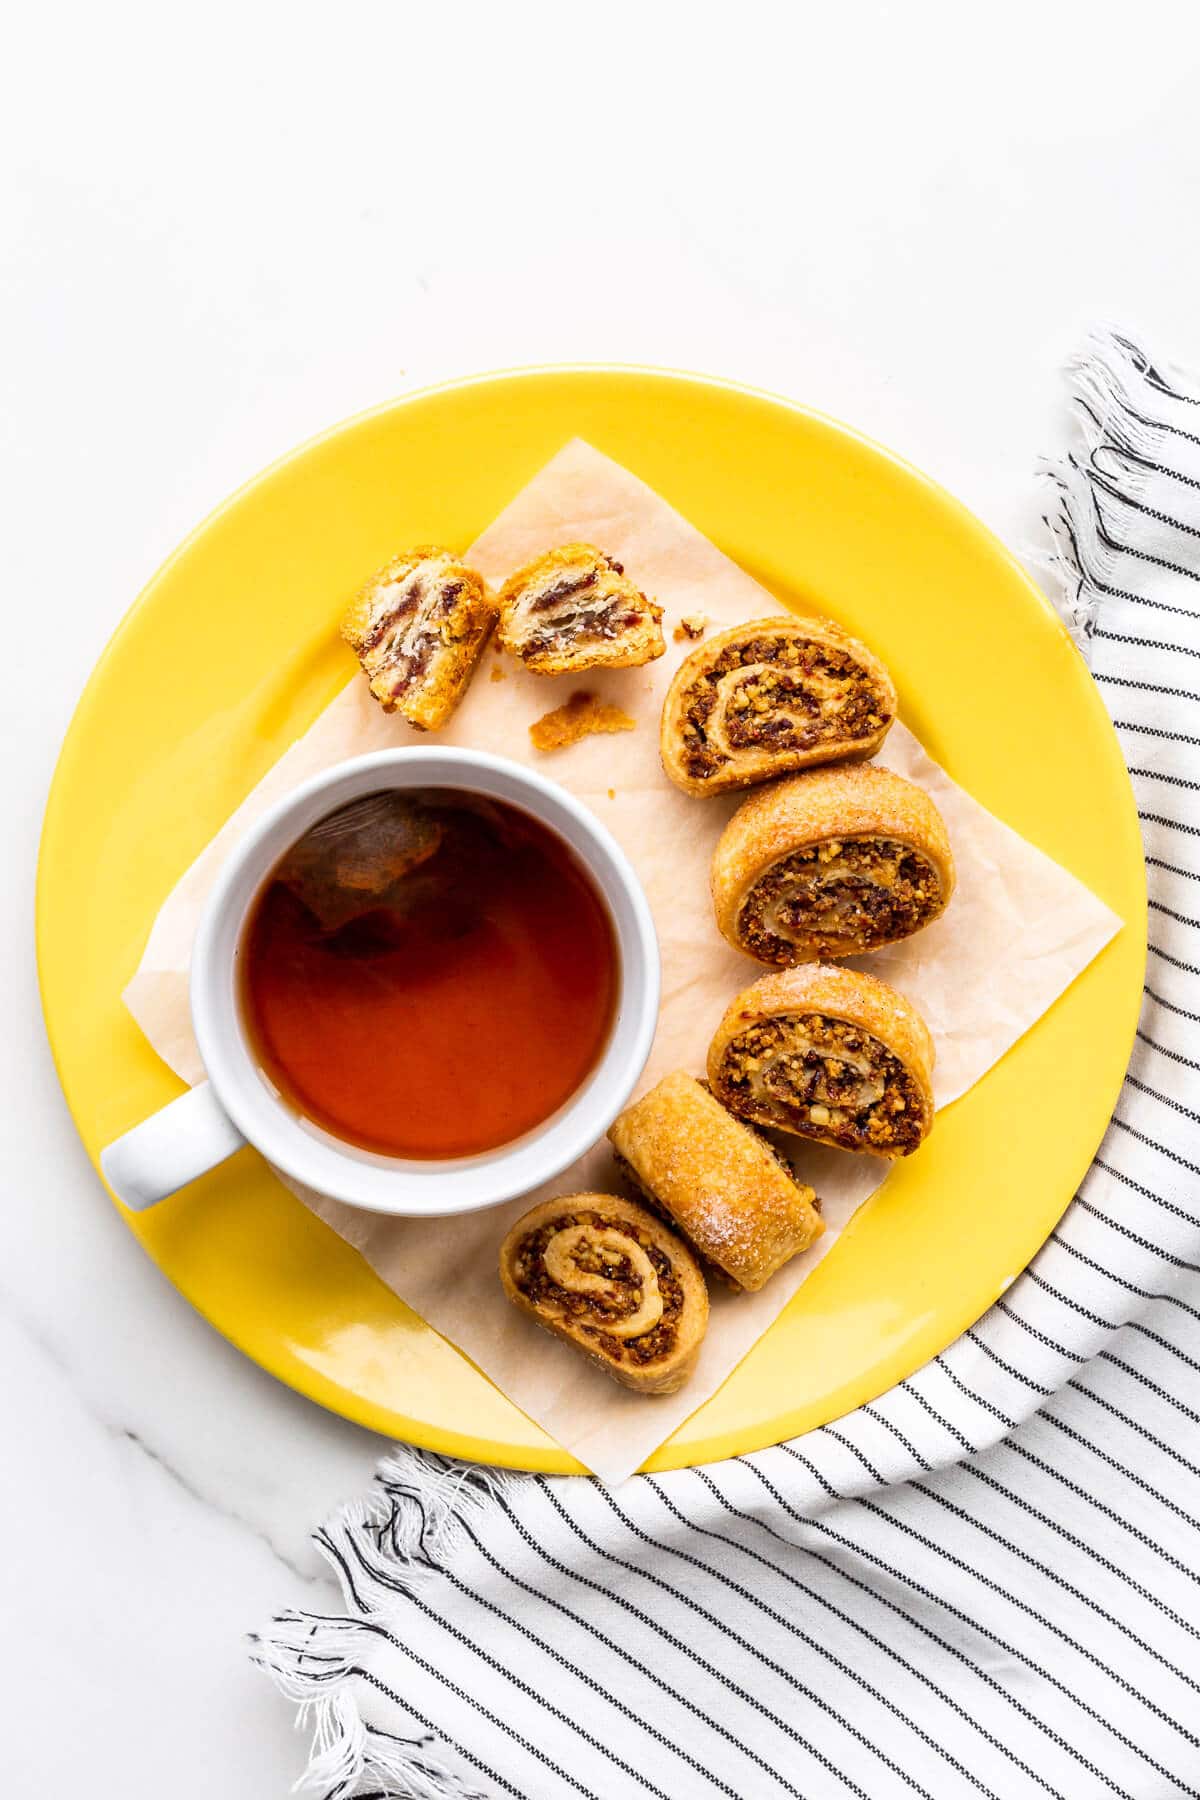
(721,1183)
(829,1054)
(769,697)
(831,863)
(581,716)
(634,1299)
(418,627)
(575,608)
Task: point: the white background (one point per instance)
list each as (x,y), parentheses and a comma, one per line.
(227,226)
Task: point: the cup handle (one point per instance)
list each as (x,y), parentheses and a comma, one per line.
(170,1148)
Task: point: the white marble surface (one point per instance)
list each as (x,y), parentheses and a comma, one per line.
(227,228)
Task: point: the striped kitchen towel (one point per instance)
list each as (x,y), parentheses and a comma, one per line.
(986,1582)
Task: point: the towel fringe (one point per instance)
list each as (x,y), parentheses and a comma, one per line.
(415,1523)
(1112,382)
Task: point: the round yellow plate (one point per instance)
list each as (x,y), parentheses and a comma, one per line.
(231,652)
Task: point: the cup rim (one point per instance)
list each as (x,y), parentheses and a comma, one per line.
(434,1188)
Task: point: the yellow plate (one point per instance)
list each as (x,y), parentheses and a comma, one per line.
(230,653)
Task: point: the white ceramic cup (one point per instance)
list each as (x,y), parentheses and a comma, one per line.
(237,1105)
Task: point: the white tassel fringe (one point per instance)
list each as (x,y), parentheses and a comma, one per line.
(412,1525)
(1113,383)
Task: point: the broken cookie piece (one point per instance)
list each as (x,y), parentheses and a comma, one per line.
(417,628)
(575,608)
(582,716)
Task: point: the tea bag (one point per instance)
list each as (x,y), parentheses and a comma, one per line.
(352,862)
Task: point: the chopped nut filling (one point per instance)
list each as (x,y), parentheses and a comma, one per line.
(865,892)
(778,693)
(611,1287)
(824,1078)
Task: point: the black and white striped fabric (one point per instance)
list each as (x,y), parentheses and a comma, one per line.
(987,1582)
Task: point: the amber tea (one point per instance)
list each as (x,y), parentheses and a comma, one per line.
(429,974)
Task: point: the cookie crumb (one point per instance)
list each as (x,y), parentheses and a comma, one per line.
(692,625)
(582,715)
(612,793)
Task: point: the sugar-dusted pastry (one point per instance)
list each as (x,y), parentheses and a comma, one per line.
(829,1054)
(769,697)
(831,863)
(418,627)
(608,1276)
(575,608)
(717,1178)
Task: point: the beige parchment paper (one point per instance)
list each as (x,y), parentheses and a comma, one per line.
(1019,930)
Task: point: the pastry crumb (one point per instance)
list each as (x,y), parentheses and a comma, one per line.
(582,715)
(692,625)
(612,793)
(497,673)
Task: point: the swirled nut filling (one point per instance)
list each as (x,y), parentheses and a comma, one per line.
(867,891)
(823,1077)
(794,695)
(592,1311)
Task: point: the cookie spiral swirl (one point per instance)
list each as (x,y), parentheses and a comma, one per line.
(770,697)
(607,1276)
